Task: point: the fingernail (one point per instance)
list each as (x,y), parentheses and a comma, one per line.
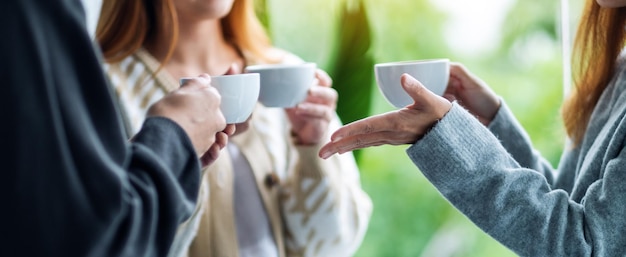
(301,108)
(408,78)
(335,138)
(325,154)
(205,79)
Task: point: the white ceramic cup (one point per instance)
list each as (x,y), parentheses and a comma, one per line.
(239,95)
(284,85)
(433,74)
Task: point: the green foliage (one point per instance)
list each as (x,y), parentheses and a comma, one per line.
(406,30)
(262,12)
(351,69)
(528,18)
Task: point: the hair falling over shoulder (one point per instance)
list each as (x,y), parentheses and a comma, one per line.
(127,25)
(599,41)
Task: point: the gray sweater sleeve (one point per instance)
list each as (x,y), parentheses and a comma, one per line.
(516,205)
(517,142)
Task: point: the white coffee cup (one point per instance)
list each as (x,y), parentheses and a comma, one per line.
(284,85)
(433,74)
(239,95)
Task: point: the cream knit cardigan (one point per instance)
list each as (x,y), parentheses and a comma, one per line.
(317,208)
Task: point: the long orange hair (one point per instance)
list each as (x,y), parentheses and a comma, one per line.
(127,25)
(599,41)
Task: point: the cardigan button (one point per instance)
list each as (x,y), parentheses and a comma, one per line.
(271,179)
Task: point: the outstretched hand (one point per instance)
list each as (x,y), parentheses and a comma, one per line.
(404,126)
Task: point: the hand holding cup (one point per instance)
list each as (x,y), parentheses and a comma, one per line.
(195,108)
(472,93)
(311,118)
(239,94)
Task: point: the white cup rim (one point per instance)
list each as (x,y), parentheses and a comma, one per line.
(183,79)
(235,75)
(406,63)
(279,66)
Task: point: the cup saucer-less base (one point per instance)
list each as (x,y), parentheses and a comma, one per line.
(239,94)
(433,74)
(284,85)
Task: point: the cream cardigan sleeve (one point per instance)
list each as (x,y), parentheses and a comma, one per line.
(324,209)
(326,213)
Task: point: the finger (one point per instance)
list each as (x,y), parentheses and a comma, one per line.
(205,76)
(210,155)
(334,147)
(363,141)
(450,97)
(374,139)
(453,83)
(314,111)
(233,69)
(203,80)
(323,78)
(365,126)
(322,95)
(316,82)
(219,119)
(458,70)
(414,88)
(210,90)
(462,74)
(452,88)
(221,139)
(230,129)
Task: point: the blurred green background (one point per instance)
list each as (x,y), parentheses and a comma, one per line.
(515,46)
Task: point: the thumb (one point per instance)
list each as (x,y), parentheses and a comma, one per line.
(414,88)
(203,80)
(323,78)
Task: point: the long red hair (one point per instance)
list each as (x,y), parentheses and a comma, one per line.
(127,25)
(599,41)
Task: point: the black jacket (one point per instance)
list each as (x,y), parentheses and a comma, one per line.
(70,182)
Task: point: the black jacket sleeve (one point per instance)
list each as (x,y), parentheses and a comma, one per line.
(71,184)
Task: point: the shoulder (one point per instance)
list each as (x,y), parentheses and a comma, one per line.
(123,67)
(283,56)
(272,55)
(620,69)
(128,70)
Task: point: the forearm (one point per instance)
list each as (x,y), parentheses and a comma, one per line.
(74,200)
(164,163)
(515,205)
(515,140)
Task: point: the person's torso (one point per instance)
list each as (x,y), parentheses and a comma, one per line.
(603,141)
(263,146)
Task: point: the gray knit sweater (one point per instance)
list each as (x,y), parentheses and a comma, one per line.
(497,180)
